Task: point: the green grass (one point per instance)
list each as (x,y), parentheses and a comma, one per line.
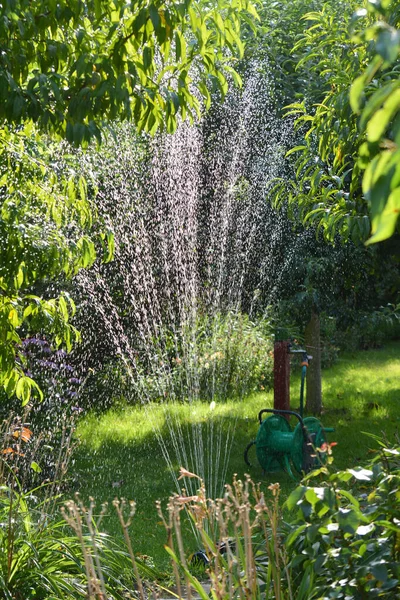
(360,394)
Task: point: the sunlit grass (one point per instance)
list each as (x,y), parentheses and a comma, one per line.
(120,455)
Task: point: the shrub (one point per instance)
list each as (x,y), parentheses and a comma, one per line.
(349,536)
(339,541)
(342,542)
(364,330)
(37,558)
(233,355)
(220,356)
(214,357)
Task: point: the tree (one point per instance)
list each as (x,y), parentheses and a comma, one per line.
(47,235)
(74,66)
(375,96)
(346,168)
(312,340)
(70,68)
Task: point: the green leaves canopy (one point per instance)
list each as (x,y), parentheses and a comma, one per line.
(45,223)
(346,167)
(375,96)
(71,66)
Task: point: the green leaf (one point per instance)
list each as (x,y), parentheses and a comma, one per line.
(376,101)
(350,498)
(37,389)
(97,9)
(377,180)
(306,584)
(295,496)
(341,476)
(155,18)
(23,390)
(381,119)
(35,467)
(388,44)
(384,223)
(293,535)
(311,496)
(147,57)
(110,241)
(357,93)
(380,572)
(295,149)
(62,305)
(195,583)
(349,519)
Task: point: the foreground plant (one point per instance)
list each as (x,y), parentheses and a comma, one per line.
(109,570)
(349,537)
(242,537)
(343,542)
(41,558)
(340,543)
(346,167)
(38,559)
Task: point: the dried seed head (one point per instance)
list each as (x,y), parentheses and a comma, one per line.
(275,488)
(185,473)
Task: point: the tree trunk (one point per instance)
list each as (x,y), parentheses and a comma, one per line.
(313,382)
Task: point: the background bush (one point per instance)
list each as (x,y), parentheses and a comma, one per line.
(224,356)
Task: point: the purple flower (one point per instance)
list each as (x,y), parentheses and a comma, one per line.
(77,409)
(34,342)
(48,364)
(75,380)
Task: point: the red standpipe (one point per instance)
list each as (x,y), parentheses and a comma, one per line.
(282,376)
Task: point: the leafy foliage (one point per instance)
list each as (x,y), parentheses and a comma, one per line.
(214,357)
(326,188)
(45,227)
(330,189)
(225,355)
(37,558)
(281,24)
(350,538)
(71,66)
(40,558)
(338,543)
(375,96)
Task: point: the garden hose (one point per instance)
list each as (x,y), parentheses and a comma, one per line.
(246,453)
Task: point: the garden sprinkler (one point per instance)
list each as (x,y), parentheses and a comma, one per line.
(279,447)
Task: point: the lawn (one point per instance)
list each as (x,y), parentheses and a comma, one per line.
(120,455)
